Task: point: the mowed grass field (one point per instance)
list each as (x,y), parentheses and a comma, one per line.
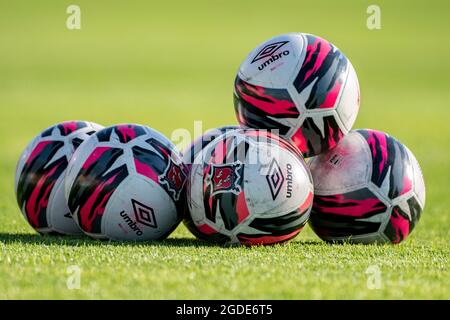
(170,63)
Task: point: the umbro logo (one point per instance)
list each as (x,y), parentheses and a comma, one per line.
(275,179)
(144,214)
(269,50)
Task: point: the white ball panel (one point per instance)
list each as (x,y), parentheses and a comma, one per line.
(139,210)
(271,199)
(419,183)
(264,70)
(345,168)
(195,191)
(348,105)
(58,213)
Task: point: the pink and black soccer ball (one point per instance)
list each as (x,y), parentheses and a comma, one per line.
(126,183)
(368,189)
(39,180)
(302,86)
(248,187)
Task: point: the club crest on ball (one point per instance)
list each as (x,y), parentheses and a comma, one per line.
(225,178)
(173,179)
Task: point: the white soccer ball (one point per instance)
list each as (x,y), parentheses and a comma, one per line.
(126,183)
(39,180)
(302,86)
(248,187)
(368,189)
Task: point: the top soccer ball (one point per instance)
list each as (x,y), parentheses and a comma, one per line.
(301,85)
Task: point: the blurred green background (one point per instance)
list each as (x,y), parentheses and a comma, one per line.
(166,64)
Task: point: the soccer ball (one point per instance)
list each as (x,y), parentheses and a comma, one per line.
(300,85)
(126,183)
(249,187)
(368,189)
(200,143)
(39,180)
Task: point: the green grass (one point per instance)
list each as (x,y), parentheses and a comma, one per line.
(169,64)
